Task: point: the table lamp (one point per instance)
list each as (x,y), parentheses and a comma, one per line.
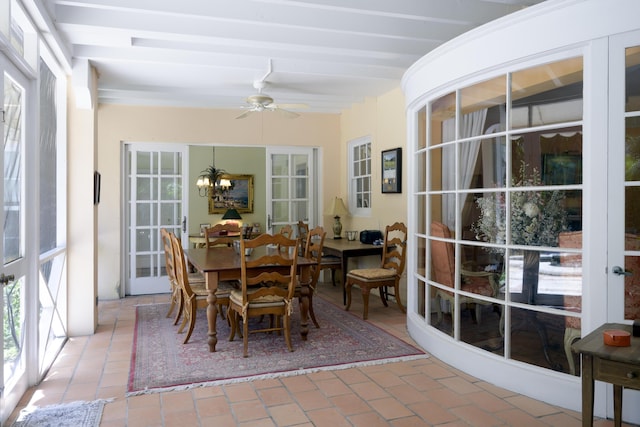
(232,214)
(336,210)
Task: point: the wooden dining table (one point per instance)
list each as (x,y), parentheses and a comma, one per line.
(223,263)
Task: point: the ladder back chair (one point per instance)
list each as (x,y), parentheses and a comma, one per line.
(193,298)
(388,274)
(268,281)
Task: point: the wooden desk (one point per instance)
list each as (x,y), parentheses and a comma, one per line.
(619,366)
(346,249)
(223,263)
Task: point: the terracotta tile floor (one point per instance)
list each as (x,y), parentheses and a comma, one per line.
(425,392)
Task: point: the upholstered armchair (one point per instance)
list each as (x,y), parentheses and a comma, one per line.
(443,272)
(572,332)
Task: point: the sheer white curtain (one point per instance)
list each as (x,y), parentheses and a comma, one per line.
(472,124)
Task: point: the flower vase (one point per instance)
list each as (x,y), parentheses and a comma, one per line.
(530,271)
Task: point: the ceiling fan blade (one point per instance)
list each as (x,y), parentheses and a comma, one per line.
(292,106)
(245,114)
(287,113)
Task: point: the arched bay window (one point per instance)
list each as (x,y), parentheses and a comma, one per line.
(523,194)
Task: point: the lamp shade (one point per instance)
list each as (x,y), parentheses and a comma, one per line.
(337,208)
(231,214)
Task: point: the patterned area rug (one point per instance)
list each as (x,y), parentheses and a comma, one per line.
(76,414)
(161,362)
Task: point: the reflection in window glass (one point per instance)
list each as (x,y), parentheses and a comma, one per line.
(443,113)
(632,149)
(506,198)
(632,78)
(487,100)
(547,94)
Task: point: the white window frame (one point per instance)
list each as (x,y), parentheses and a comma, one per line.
(352,187)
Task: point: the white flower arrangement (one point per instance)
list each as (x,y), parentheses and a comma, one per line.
(537,217)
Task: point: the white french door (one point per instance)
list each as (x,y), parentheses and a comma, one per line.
(155,199)
(291,187)
(623,246)
(13,273)
(624,179)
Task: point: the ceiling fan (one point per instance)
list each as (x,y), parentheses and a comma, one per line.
(260,101)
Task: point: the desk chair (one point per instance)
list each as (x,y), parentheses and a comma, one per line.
(392,264)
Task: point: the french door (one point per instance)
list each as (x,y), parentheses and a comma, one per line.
(623,291)
(291,187)
(155,199)
(13,273)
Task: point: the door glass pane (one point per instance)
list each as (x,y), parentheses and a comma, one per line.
(13,147)
(170,188)
(632,184)
(279,165)
(13,327)
(299,211)
(281,211)
(300,188)
(143,163)
(300,165)
(280,188)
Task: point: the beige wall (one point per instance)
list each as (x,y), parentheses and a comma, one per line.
(83,240)
(120,124)
(234,160)
(382,118)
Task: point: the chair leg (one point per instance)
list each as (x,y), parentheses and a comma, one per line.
(174,299)
(365,300)
(180,308)
(245,336)
(185,318)
(438,301)
(232,316)
(382,290)
(396,289)
(347,289)
(570,335)
(478,313)
(311,312)
(192,320)
(286,320)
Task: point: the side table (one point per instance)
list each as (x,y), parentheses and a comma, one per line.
(619,366)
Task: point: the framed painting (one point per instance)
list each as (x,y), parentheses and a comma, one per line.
(562,169)
(238,195)
(392,171)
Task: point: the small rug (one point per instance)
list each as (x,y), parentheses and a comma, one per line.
(75,414)
(160,361)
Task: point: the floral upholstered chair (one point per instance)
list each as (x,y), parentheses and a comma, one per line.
(443,262)
(572,332)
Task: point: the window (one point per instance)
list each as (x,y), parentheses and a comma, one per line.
(360,176)
(504,197)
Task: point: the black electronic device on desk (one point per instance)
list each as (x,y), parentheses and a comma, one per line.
(370,236)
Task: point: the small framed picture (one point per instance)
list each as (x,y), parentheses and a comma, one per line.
(392,171)
(203,227)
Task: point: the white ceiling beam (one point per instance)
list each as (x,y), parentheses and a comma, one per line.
(226,61)
(233,16)
(458,11)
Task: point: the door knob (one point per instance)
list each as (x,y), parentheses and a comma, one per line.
(619,271)
(4,280)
